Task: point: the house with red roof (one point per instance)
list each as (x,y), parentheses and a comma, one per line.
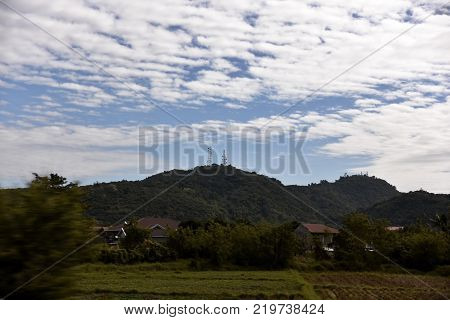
(313,233)
(159,227)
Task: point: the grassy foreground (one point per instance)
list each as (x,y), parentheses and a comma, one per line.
(145,281)
(176,281)
(377,285)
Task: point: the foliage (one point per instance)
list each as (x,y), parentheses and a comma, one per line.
(147,251)
(411,207)
(231,194)
(41,225)
(135,236)
(423,248)
(240,244)
(357,241)
(366,244)
(136,247)
(442,223)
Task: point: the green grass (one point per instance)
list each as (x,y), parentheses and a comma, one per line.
(173,281)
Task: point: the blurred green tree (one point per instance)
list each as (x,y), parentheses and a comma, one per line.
(39,226)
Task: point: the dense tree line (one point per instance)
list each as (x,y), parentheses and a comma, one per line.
(217,243)
(366,244)
(363,244)
(244,244)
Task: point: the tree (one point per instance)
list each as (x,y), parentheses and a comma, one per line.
(135,236)
(238,243)
(40,225)
(424,248)
(360,242)
(441,221)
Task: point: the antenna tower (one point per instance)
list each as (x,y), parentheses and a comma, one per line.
(209,162)
(224,158)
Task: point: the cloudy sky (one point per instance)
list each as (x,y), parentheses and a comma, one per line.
(374,74)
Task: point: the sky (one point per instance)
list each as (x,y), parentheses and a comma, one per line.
(362,85)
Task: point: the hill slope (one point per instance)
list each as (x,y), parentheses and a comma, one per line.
(230,193)
(411,207)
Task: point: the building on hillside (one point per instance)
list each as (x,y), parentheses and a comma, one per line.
(112,235)
(394,228)
(159,227)
(313,233)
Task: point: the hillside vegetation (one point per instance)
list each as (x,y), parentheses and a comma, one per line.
(407,208)
(228,193)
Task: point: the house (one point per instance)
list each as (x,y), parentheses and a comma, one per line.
(112,235)
(159,227)
(394,228)
(317,233)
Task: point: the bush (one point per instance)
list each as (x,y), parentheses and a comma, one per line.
(240,244)
(149,251)
(423,249)
(135,236)
(155,252)
(41,224)
(117,256)
(442,271)
(417,247)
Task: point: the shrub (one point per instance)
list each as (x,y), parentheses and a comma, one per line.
(43,223)
(423,249)
(241,244)
(149,251)
(443,271)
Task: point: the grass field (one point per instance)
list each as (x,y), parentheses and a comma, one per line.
(368,285)
(147,282)
(176,281)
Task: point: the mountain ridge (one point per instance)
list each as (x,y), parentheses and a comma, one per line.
(228,193)
(415,206)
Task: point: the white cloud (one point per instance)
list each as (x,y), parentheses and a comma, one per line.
(6,113)
(406,145)
(229,105)
(224,65)
(287,48)
(74,151)
(139,108)
(364,103)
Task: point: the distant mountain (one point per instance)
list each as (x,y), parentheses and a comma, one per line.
(227,193)
(410,207)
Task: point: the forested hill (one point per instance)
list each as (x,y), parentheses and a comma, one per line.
(417,206)
(229,193)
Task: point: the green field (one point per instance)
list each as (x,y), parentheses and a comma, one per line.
(145,281)
(176,281)
(370,285)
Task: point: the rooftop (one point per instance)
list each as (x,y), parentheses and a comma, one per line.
(319,228)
